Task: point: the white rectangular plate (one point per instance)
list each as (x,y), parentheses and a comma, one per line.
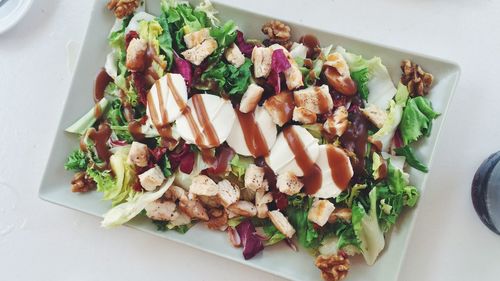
(278,260)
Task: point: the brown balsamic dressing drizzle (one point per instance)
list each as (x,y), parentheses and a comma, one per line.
(163,129)
(207,128)
(101,82)
(135,128)
(254,139)
(339,166)
(100,138)
(322,101)
(312,178)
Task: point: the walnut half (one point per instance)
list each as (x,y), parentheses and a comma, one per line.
(333,268)
(81,182)
(123,8)
(418,81)
(277,32)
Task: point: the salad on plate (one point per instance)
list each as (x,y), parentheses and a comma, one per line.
(271,141)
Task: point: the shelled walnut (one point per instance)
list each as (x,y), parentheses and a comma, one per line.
(418,81)
(81,182)
(277,33)
(123,8)
(333,268)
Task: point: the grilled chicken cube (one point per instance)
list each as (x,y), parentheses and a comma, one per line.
(376,115)
(161,210)
(175,193)
(261,59)
(320,212)
(289,183)
(193,209)
(203,185)
(136,54)
(243,208)
(199,52)
(314,98)
(227,193)
(234,56)
(261,200)
(337,124)
(152,178)
(254,178)
(303,115)
(138,154)
(251,98)
(281,223)
(280,107)
(195,38)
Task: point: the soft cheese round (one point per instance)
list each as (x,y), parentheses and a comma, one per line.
(163,98)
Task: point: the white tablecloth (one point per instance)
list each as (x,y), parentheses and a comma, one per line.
(47,242)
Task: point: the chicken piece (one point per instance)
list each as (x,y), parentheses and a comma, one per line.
(136,54)
(198,53)
(320,212)
(243,208)
(175,193)
(251,98)
(217,219)
(234,56)
(254,178)
(195,38)
(289,183)
(203,185)
(376,115)
(152,178)
(261,200)
(337,124)
(303,115)
(180,219)
(280,107)
(161,210)
(293,76)
(227,193)
(193,209)
(138,154)
(344,214)
(314,98)
(261,59)
(281,223)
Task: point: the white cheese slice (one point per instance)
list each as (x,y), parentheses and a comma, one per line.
(236,139)
(169,105)
(328,189)
(220,114)
(282,159)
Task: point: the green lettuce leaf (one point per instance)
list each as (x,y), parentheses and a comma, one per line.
(417,119)
(239,165)
(88,120)
(77,161)
(124,212)
(361,77)
(307,236)
(385,134)
(118,122)
(273,234)
(411,159)
(367,229)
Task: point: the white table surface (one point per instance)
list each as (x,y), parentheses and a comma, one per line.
(48,242)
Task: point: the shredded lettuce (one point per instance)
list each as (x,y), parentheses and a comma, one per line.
(118,122)
(206,7)
(124,212)
(417,119)
(273,234)
(228,77)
